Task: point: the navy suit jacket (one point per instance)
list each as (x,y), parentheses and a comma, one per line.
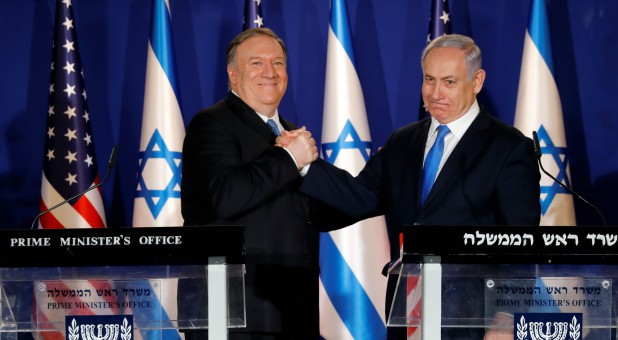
(233,174)
(490,178)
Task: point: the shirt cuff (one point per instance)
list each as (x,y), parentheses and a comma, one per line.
(303,171)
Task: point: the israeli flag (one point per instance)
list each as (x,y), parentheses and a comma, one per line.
(352,288)
(157,199)
(538,109)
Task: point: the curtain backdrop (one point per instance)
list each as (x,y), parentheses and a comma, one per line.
(388,37)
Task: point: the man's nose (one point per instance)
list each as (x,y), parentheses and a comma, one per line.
(268,71)
(436,91)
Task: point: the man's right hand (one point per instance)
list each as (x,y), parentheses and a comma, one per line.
(300,144)
(286,136)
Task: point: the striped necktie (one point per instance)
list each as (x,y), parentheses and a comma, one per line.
(273,126)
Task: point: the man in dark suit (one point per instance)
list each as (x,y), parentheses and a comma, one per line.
(486,170)
(234,174)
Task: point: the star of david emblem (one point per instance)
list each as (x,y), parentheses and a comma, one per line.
(559,156)
(348,139)
(149,185)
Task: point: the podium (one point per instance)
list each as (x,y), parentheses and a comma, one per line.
(519,282)
(122,281)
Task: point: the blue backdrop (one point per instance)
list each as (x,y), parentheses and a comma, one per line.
(388,38)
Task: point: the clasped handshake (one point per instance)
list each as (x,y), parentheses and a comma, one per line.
(300,144)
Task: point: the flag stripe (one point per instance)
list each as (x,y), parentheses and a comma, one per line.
(161,41)
(341,27)
(538,28)
(350,299)
(162,111)
(65,216)
(413,303)
(48,219)
(88,212)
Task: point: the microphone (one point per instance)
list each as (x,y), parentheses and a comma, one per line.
(538,153)
(110,165)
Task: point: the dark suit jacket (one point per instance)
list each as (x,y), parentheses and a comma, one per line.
(490,178)
(233,174)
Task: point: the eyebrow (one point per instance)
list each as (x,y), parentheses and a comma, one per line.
(261,58)
(443,78)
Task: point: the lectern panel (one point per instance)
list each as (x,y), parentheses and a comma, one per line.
(108,282)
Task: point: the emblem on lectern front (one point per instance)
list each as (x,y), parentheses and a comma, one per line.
(112,327)
(548,326)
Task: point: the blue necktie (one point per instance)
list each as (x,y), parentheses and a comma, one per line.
(432,162)
(273,126)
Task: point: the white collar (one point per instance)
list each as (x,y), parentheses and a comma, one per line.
(459,126)
(275,117)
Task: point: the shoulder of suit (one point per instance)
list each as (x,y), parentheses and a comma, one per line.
(212,113)
(287,124)
(504,130)
(412,128)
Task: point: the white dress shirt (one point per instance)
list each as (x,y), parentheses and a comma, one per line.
(457,127)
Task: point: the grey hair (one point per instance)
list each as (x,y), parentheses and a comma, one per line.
(252,32)
(462,42)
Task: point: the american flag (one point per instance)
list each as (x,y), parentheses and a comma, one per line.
(253,14)
(70,165)
(439,25)
(439,21)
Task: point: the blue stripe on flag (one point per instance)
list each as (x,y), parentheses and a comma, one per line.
(161,41)
(154,313)
(341,27)
(357,313)
(538,29)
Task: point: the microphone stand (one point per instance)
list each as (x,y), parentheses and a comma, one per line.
(110,165)
(539,154)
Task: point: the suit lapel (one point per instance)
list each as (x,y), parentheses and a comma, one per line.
(249,117)
(413,165)
(469,148)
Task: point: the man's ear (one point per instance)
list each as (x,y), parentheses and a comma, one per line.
(477,81)
(231,74)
